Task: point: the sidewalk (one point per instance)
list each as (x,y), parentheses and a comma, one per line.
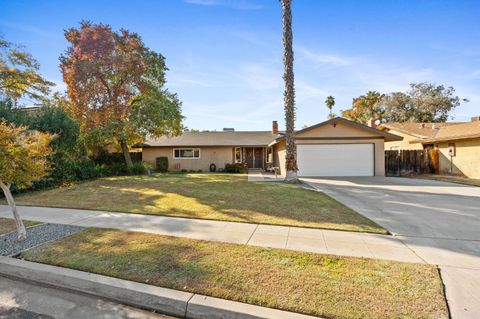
(295,238)
(460,270)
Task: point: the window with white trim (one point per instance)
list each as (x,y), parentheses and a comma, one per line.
(185,153)
(238,154)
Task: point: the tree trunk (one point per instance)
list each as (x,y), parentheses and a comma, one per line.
(126,153)
(289,95)
(22,232)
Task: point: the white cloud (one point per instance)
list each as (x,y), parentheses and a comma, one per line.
(322,59)
(59,86)
(260,77)
(30,29)
(178,80)
(234,4)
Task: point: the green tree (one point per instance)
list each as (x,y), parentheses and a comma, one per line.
(19,75)
(330,102)
(289,94)
(23,160)
(423,102)
(53,118)
(11,114)
(366,107)
(115,86)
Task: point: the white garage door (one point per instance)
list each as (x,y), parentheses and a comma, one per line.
(335,160)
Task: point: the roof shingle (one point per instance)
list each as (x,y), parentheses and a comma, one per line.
(220,138)
(437,132)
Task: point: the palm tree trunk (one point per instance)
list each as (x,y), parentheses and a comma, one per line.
(289,95)
(22,233)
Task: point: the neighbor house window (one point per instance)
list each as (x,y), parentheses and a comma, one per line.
(238,154)
(186,153)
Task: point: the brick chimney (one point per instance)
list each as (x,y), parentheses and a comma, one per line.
(275,127)
(371,123)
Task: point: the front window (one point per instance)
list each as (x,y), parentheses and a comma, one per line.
(238,155)
(179,153)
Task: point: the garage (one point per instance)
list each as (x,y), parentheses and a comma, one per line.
(336,160)
(337,147)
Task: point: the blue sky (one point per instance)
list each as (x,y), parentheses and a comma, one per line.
(225,56)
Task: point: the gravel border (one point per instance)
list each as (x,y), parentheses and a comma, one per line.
(36,235)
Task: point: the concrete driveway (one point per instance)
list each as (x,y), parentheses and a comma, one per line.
(439,221)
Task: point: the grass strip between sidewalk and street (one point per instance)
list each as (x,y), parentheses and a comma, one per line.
(322,285)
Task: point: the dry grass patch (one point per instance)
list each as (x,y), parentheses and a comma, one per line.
(7,225)
(452,179)
(321,285)
(207,196)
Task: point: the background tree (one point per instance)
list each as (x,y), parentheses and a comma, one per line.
(330,102)
(19,75)
(289,95)
(116,87)
(23,160)
(423,102)
(366,107)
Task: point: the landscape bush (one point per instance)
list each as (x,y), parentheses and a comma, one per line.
(140,168)
(162,164)
(237,168)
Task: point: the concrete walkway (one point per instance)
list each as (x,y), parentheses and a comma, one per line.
(460,267)
(439,221)
(295,238)
(260,176)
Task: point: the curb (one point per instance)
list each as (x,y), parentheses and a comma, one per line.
(168,301)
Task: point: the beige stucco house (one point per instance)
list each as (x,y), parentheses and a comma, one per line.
(337,147)
(458,143)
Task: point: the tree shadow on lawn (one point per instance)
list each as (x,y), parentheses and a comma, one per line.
(236,200)
(322,285)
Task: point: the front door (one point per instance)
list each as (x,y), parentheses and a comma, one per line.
(258,158)
(249,157)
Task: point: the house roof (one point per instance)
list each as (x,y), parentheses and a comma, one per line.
(387,136)
(437,132)
(247,138)
(420,130)
(458,131)
(220,138)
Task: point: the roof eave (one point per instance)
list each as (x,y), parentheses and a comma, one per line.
(393,128)
(446,139)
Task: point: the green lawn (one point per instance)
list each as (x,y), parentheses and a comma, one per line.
(321,285)
(8,225)
(207,196)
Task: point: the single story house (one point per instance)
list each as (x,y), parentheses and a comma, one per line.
(337,147)
(458,143)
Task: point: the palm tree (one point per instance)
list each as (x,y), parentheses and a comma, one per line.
(289,95)
(330,102)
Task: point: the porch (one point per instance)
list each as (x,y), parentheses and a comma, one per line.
(255,157)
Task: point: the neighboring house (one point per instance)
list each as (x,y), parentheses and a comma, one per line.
(458,143)
(337,147)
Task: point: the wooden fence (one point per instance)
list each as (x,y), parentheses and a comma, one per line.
(407,162)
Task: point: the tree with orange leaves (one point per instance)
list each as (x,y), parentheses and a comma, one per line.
(115,85)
